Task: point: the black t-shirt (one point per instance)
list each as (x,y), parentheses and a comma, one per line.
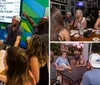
(69,20)
(40,29)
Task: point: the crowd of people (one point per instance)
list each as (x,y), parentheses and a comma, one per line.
(15,31)
(26,66)
(61,25)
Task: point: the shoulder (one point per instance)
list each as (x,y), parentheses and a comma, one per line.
(20,28)
(58,58)
(65,31)
(9,26)
(33,59)
(88,73)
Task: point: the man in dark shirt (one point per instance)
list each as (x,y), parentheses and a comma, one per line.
(69,19)
(40,28)
(14,32)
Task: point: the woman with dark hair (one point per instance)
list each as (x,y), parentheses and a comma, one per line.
(81,62)
(58,32)
(38,58)
(16,64)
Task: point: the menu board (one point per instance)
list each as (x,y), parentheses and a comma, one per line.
(9,8)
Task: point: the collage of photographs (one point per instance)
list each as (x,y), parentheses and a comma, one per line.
(49,42)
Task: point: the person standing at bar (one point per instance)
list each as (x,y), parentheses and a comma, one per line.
(14,32)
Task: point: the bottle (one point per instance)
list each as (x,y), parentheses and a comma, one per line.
(81,29)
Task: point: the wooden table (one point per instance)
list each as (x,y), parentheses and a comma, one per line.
(75,76)
(82,38)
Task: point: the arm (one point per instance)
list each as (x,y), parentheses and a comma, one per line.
(17,41)
(3,78)
(85,23)
(34,82)
(56,62)
(35,68)
(66,35)
(68,65)
(96,24)
(77,63)
(72,21)
(56,65)
(31,21)
(18,38)
(76,22)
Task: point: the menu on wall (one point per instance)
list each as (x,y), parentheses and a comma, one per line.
(9,8)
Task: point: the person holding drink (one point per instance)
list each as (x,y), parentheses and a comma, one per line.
(62,63)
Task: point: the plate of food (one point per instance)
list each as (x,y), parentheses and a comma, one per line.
(74,31)
(76,35)
(95,39)
(71,34)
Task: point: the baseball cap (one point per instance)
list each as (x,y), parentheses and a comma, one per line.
(18,18)
(94,59)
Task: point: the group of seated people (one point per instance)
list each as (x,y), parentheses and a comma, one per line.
(60,28)
(80,20)
(90,77)
(26,66)
(62,63)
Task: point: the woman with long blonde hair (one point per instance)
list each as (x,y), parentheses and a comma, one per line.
(80,20)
